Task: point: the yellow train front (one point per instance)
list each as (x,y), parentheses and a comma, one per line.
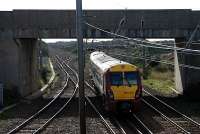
(118,82)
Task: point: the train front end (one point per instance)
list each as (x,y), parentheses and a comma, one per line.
(123,88)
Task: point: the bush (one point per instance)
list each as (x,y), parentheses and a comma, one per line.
(145,73)
(161,68)
(44,74)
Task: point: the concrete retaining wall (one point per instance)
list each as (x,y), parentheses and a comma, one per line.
(9,66)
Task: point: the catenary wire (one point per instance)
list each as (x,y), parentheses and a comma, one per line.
(144,41)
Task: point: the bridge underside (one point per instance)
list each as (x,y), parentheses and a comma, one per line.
(131,23)
(26,26)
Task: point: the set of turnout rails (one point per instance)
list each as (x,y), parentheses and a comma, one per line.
(115,122)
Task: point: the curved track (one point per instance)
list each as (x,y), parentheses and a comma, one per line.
(50,111)
(110,130)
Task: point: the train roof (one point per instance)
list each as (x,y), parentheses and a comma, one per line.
(104,62)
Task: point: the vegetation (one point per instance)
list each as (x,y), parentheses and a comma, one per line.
(45,73)
(156,76)
(45,69)
(160,81)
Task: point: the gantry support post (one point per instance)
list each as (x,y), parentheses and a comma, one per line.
(79,34)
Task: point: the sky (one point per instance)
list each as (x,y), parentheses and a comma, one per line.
(9,5)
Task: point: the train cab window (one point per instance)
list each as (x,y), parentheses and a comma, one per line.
(130,78)
(116,79)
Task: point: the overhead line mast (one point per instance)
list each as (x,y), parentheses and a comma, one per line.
(79,34)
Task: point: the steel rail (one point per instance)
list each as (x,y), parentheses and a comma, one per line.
(165,117)
(133,125)
(74,71)
(60,110)
(119,125)
(101,116)
(23,124)
(173,109)
(142,124)
(95,109)
(117,122)
(91,88)
(57,113)
(65,64)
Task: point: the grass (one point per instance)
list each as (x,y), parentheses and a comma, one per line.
(45,74)
(159,85)
(160,81)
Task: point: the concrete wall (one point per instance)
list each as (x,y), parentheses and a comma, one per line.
(9,66)
(61,23)
(19,65)
(190,77)
(28,65)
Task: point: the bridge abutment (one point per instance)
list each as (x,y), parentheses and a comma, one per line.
(9,68)
(28,65)
(190,76)
(19,65)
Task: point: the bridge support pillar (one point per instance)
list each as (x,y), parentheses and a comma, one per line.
(28,65)
(9,74)
(190,76)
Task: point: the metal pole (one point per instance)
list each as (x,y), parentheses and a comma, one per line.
(79,34)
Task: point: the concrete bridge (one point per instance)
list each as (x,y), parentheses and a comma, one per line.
(20,29)
(61,23)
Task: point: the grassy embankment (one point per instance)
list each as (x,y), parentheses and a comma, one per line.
(45,69)
(160,81)
(45,74)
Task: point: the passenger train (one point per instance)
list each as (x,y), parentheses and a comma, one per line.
(117,81)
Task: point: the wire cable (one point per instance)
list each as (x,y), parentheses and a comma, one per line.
(144,41)
(159,61)
(189,53)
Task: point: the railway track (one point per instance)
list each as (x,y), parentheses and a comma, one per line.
(178,121)
(105,123)
(108,127)
(37,122)
(130,123)
(181,122)
(127,123)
